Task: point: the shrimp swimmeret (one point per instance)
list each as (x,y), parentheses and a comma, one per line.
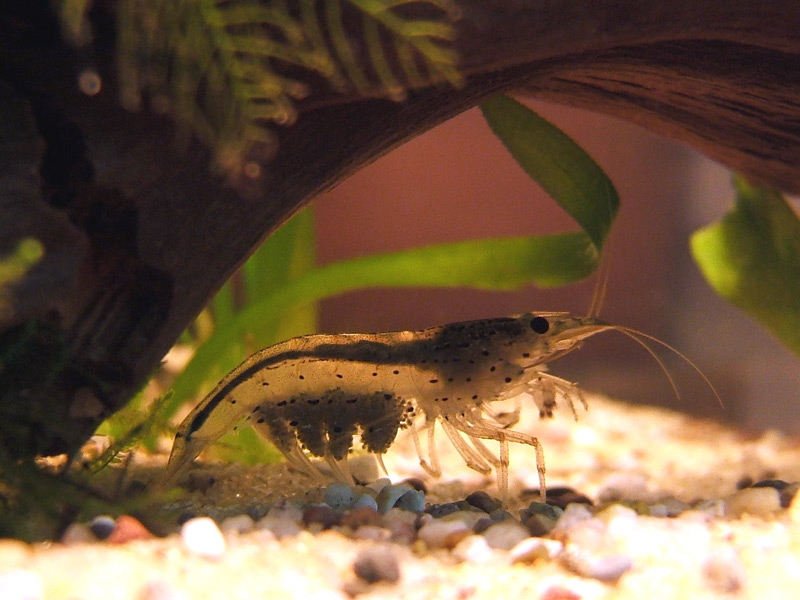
(312,394)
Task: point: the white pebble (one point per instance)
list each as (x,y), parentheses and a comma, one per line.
(574,513)
(506,534)
(757,501)
(77,533)
(21,585)
(603,567)
(390,494)
(237,524)
(532,549)
(160,589)
(627,485)
(473,549)
(202,537)
(443,534)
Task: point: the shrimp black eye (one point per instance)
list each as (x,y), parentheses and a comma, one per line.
(540,325)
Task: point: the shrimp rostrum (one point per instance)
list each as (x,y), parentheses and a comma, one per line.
(312,394)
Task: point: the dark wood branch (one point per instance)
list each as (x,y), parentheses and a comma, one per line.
(139,234)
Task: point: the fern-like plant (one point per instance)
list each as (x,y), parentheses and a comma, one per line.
(229,71)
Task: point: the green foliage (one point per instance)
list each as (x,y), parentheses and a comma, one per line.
(752,259)
(230,70)
(13,267)
(558,164)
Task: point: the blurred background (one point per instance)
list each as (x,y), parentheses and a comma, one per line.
(457,182)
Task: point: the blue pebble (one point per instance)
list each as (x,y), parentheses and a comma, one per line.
(365,500)
(412,500)
(339,496)
(390,494)
(102,527)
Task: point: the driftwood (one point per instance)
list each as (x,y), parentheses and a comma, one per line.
(139,235)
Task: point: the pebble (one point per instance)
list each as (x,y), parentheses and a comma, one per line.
(473,549)
(379,484)
(484,502)
(365,501)
(202,537)
(724,571)
(77,533)
(322,515)
(14,552)
(372,532)
(540,518)
(412,500)
(401,524)
(339,496)
(377,563)
(506,534)
(283,520)
(21,585)
(563,496)
(573,513)
(557,592)
(756,501)
(532,549)
(128,529)
(669,507)
(102,526)
(603,567)
(238,524)
(160,589)
(625,484)
(443,534)
(390,494)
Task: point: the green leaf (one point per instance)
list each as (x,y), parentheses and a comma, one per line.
(752,259)
(563,169)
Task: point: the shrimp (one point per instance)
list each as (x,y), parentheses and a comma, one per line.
(311,395)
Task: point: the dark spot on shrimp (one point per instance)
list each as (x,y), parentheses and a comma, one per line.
(540,325)
(434,381)
(396,372)
(508,379)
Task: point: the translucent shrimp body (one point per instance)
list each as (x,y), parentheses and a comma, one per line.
(312,394)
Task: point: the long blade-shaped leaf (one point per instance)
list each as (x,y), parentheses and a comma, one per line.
(752,259)
(563,169)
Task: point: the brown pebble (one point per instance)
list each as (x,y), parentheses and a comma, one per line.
(562,496)
(128,529)
(359,517)
(416,484)
(324,515)
(377,563)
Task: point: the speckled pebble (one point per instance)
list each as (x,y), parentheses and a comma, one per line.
(128,529)
(77,533)
(202,537)
(506,534)
(484,502)
(237,524)
(412,500)
(603,567)
(377,563)
(21,585)
(532,549)
(443,534)
(724,571)
(102,526)
(756,501)
(473,549)
(339,496)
